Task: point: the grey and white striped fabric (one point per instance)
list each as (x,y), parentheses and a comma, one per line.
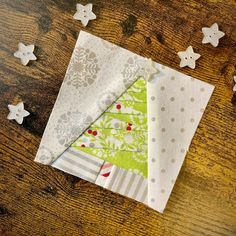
(89,168)
(80,164)
(128,184)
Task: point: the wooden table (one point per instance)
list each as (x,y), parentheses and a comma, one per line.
(40,200)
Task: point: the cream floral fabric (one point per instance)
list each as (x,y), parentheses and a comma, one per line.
(92,83)
(83,69)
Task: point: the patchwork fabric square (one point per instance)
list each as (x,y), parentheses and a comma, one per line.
(122,121)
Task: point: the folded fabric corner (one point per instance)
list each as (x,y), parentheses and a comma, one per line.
(92,83)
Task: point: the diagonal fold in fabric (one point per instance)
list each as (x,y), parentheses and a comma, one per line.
(98,73)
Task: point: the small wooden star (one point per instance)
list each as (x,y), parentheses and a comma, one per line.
(212,35)
(234,88)
(188,58)
(151,70)
(84,13)
(148,70)
(25,53)
(17,112)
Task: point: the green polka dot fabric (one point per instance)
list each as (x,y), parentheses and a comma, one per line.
(119,136)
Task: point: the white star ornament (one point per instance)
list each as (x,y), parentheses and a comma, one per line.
(25,53)
(17,112)
(188,58)
(212,35)
(234,88)
(84,13)
(148,70)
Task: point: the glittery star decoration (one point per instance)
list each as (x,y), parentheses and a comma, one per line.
(188,58)
(234,88)
(147,70)
(17,112)
(84,13)
(212,35)
(152,70)
(25,53)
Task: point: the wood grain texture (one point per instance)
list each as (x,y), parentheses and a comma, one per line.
(40,200)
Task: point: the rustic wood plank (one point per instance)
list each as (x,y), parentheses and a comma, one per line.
(39,200)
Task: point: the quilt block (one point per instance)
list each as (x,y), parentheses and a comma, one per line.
(122,121)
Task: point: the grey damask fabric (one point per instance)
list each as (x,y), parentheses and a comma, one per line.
(98,73)
(70,125)
(83,68)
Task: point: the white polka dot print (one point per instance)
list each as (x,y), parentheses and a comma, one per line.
(173,116)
